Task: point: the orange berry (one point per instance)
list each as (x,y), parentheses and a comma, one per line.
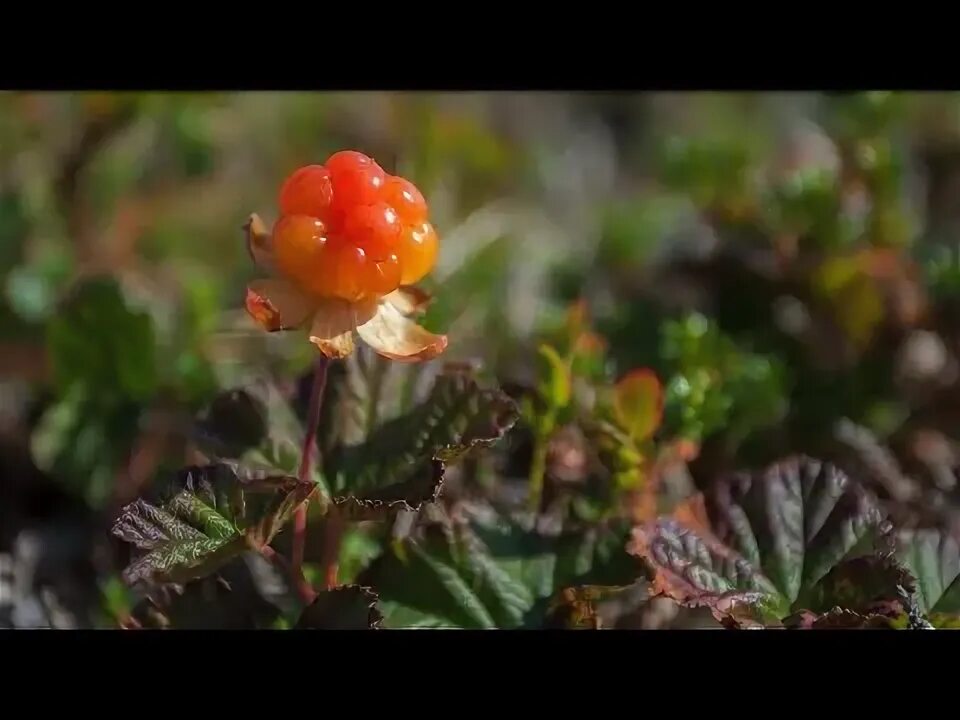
(406,199)
(357,180)
(348,230)
(417,251)
(349,267)
(375,228)
(307,191)
(300,249)
(381,277)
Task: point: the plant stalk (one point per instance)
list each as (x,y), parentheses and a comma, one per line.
(306,457)
(332,536)
(538,464)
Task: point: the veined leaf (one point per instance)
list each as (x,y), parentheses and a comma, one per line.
(248,592)
(383,442)
(205,517)
(769,540)
(401,463)
(933,557)
(490,572)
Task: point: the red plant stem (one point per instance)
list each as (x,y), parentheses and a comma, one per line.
(300,514)
(332,535)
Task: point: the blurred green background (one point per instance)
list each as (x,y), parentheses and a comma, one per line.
(783,261)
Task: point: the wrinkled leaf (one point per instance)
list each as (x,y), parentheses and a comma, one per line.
(248,592)
(348,607)
(867,584)
(933,557)
(768,540)
(490,572)
(638,403)
(205,517)
(400,464)
(839,619)
(383,442)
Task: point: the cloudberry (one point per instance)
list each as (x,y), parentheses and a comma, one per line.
(403,196)
(308,191)
(418,252)
(349,230)
(375,228)
(357,180)
(300,246)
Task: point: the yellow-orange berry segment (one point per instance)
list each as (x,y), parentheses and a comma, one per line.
(417,251)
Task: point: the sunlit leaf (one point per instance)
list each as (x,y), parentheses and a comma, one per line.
(203,518)
(771,539)
(556,383)
(638,403)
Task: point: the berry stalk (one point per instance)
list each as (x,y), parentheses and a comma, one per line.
(306,457)
(333,534)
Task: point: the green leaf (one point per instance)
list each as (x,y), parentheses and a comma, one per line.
(383,443)
(638,403)
(204,518)
(933,557)
(768,539)
(871,584)
(96,341)
(348,607)
(400,464)
(556,386)
(248,592)
(255,427)
(490,572)
(83,439)
(714,385)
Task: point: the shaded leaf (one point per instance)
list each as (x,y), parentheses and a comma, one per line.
(254,427)
(383,443)
(839,619)
(248,592)
(933,557)
(769,539)
(348,607)
(203,518)
(400,464)
(490,572)
(83,440)
(638,403)
(867,584)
